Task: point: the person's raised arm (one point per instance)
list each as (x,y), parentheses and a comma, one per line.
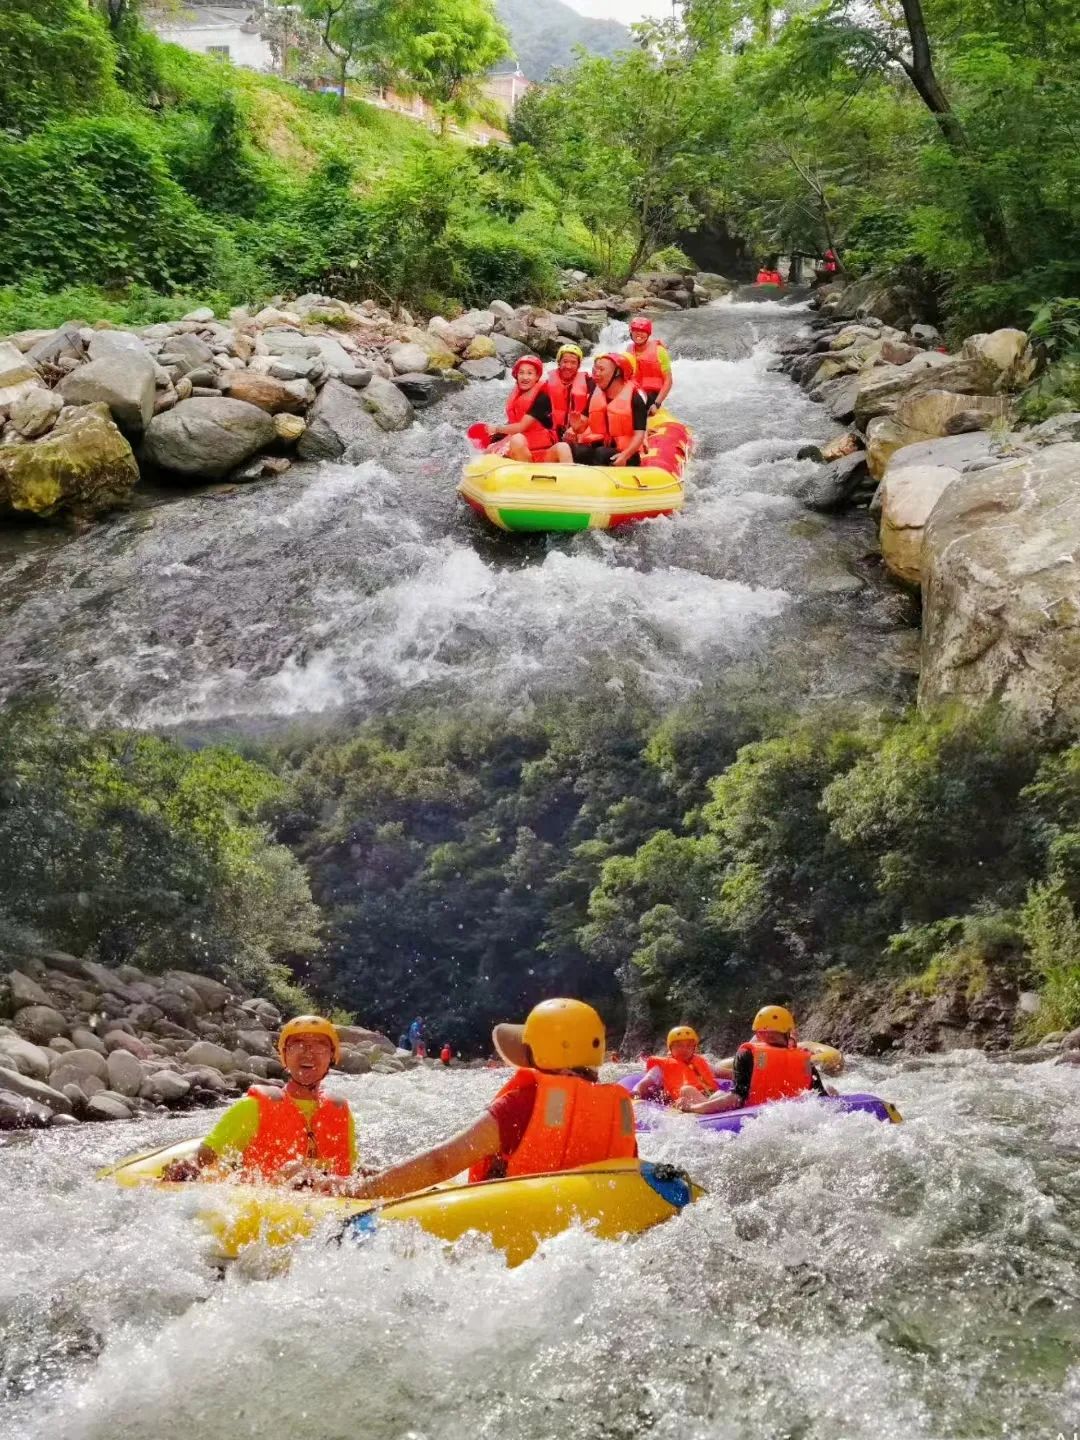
(431,1167)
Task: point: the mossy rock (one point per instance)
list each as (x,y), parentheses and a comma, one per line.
(83,466)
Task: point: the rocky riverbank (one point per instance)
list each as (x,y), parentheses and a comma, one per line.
(82,1042)
(87,408)
(979,517)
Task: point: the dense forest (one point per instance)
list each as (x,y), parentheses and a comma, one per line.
(461,867)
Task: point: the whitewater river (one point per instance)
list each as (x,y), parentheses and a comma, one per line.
(843,1280)
(359,586)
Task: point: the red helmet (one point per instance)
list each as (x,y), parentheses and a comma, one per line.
(624,366)
(641,322)
(533,360)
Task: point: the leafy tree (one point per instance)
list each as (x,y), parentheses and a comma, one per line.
(441,49)
(55,60)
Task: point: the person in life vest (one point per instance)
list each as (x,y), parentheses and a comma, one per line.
(271,1129)
(529,432)
(769,274)
(552,1114)
(622,410)
(446,1054)
(682,1074)
(652,362)
(771,1066)
(831,263)
(570,390)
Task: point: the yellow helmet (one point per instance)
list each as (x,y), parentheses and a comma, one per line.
(569,349)
(774,1017)
(558,1035)
(309,1025)
(682,1032)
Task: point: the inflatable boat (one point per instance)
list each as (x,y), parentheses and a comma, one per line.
(612,1199)
(530,497)
(730,1122)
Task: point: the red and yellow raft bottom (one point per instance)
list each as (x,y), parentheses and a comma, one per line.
(536,497)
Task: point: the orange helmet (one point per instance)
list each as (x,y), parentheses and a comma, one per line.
(624,366)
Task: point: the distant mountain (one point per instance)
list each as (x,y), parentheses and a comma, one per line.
(544,35)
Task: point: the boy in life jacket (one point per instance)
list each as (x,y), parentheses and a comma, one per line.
(270,1129)
(771,1066)
(682,1074)
(529,432)
(618,416)
(552,1114)
(652,362)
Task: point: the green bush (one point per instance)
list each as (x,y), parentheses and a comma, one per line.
(56,59)
(91,201)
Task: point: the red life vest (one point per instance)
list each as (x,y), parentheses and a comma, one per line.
(779,1072)
(648,371)
(696,1072)
(573,1122)
(620,414)
(285,1133)
(768,277)
(567,400)
(538,437)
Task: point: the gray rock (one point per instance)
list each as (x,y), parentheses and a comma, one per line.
(207,438)
(60,1045)
(36,412)
(570,328)
(356,378)
(386,404)
(59,1121)
(421,390)
(509,350)
(255,1042)
(186,353)
(1071,1041)
(354,1061)
(165,1088)
(85,1039)
(206,1077)
(205,1052)
(39,1023)
(19,1113)
(339,421)
(407,358)
(502,310)
(486,369)
(107,1107)
(65,343)
(19,1054)
(882,389)
(125,1073)
(926,334)
(76,1064)
(25,991)
(1001,589)
(215,995)
(121,1040)
(1055,431)
(482,322)
(104,343)
(203,316)
(16,1084)
(833,488)
(290,342)
(124,381)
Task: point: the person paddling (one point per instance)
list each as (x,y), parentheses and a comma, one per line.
(682,1074)
(270,1129)
(552,1114)
(652,362)
(771,1066)
(529,432)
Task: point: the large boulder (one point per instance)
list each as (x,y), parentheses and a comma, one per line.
(125,1073)
(36,412)
(25,991)
(107,1107)
(1001,590)
(339,421)
(122,379)
(185,353)
(386,404)
(24,1056)
(214,995)
(207,438)
(508,350)
(17,375)
(83,465)
(40,1023)
(882,389)
(165,1087)
(15,1083)
(487,369)
(19,1113)
(263,391)
(1007,352)
(205,1052)
(439,354)
(907,497)
(482,348)
(481,322)
(455,334)
(407,358)
(75,1065)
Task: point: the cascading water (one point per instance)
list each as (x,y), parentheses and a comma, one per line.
(842,1280)
(359,586)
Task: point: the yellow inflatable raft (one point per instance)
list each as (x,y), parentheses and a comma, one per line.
(612,1199)
(520,497)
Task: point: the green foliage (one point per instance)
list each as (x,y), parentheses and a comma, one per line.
(139,850)
(1051,931)
(91,201)
(441,50)
(55,59)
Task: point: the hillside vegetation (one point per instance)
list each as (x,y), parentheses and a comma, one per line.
(547,37)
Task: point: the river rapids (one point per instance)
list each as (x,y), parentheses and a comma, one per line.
(841,1280)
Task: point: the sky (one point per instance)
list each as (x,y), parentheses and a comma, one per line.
(625,10)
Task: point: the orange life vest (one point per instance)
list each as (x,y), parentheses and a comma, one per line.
(285,1133)
(696,1072)
(648,372)
(574,1122)
(619,414)
(538,437)
(597,431)
(567,400)
(768,277)
(779,1072)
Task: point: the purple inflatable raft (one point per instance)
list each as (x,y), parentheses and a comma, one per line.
(649,1116)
